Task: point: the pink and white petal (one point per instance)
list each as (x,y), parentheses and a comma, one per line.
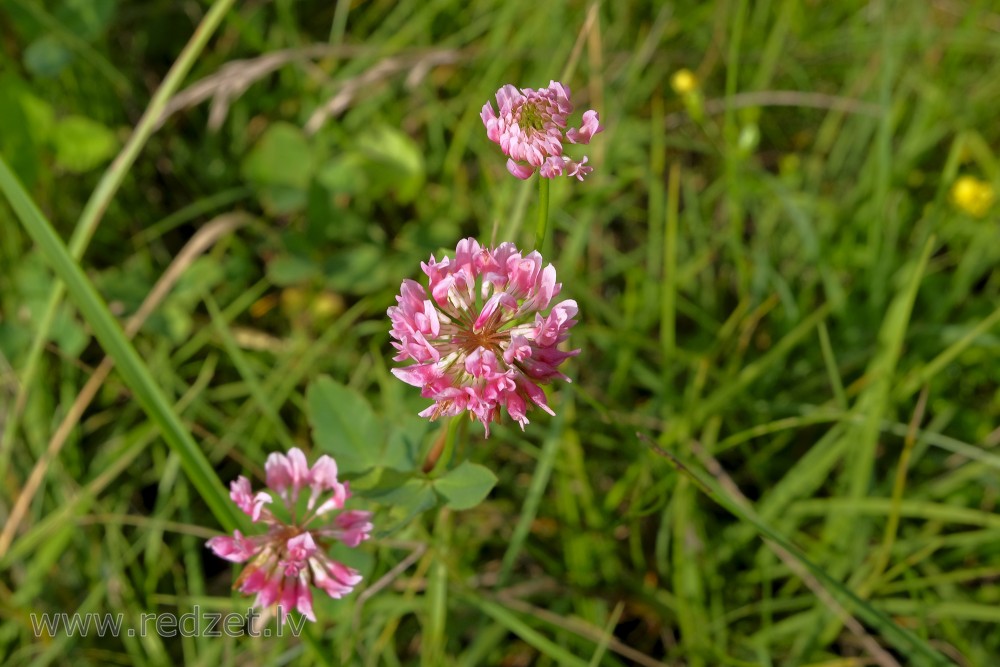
(578,169)
(535,393)
(561,90)
(300,548)
(323,475)
(304,598)
(518,350)
(481,363)
(487,311)
(521,171)
(254,582)
(591,126)
(552,167)
(490,121)
(278,472)
(335,579)
(356,527)
(289,596)
(299,468)
(417,375)
(251,505)
(517,408)
(268,589)
(236,549)
(507,98)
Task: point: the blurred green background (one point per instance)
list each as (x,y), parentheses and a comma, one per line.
(786,262)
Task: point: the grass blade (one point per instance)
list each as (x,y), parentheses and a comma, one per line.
(113,340)
(910,644)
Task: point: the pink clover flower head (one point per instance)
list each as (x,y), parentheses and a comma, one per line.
(531,128)
(483,334)
(290,557)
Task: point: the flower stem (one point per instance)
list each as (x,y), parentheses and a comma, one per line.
(448,450)
(543,212)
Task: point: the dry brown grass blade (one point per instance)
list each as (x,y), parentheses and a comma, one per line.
(418,65)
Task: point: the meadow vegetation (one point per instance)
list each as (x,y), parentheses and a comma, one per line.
(780,443)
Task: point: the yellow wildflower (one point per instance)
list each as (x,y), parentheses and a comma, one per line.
(684,82)
(973,196)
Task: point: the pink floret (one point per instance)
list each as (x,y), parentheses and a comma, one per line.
(531,128)
(290,557)
(494,343)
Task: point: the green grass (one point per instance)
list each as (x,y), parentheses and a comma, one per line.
(779,445)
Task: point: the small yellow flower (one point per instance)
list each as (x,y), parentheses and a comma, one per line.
(684,82)
(972,195)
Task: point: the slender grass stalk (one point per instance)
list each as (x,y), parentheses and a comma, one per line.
(881,253)
(832,370)
(448,451)
(99,201)
(539,480)
(543,213)
(266,403)
(918,650)
(433,652)
(898,488)
(732,157)
(528,634)
(130,365)
(668,297)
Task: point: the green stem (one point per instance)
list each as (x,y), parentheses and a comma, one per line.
(450,439)
(543,212)
(437,591)
(101,198)
(533,500)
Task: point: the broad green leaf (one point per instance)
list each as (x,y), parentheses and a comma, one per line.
(466,486)
(86,18)
(281,199)
(40,116)
(360,270)
(287,270)
(82,144)
(395,488)
(282,156)
(19,139)
(345,427)
(410,493)
(343,174)
(46,56)
(395,161)
(281,165)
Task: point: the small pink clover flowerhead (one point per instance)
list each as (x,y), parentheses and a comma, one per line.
(531,128)
(290,556)
(482,339)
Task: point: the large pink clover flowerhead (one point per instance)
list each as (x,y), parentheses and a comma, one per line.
(291,556)
(531,128)
(482,338)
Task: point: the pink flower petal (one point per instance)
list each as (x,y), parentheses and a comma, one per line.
(236,548)
(522,171)
(304,599)
(241,494)
(591,126)
(498,343)
(531,129)
(355,526)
